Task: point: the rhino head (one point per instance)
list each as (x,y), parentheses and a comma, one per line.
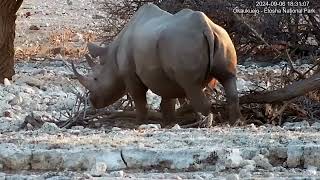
(104,84)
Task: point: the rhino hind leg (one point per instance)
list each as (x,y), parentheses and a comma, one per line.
(231,92)
(167,107)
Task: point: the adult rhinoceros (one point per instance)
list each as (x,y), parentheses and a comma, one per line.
(173,55)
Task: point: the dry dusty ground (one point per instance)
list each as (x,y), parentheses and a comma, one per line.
(46,88)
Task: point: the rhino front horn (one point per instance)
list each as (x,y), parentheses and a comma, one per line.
(83,80)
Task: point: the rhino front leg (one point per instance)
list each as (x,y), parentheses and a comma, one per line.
(233,107)
(167,107)
(138,92)
(141,107)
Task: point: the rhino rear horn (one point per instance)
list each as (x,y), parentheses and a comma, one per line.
(90,61)
(95,50)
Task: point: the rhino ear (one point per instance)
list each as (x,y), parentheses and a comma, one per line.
(95,50)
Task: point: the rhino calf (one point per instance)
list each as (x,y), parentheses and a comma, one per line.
(173,55)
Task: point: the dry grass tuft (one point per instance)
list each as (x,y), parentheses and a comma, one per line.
(66,42)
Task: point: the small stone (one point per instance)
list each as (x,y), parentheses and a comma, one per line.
(296,125)
(42,72)
(234,159)
(27,14)
(97,124)
(294,155)
(197,177)
(262,162)
(312,170)
(264,151)
(87,175)
(293,170)
(74,131)
(316,125)
(279,169)
(58,57)
(8,113)
(99,169)
(97,16)
(77,127)
(253,127)
(50,127)
(29,90)
(278,151)
(17,108)
(78,38)
(269,174)
(149,126)
(69,2)
(45,24)
(44,88)
(6,82)
(219,167)
(311,155)
(196,166)
(34,27)
(244,173)
(16,100)
(249,167)
(247,162)
(232,177)
(34,82)
(29,127)
(117,173)
(176,127)
(116,129)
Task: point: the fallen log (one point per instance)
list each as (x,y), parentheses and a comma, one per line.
(297,88)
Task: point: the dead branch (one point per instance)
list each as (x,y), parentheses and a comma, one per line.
(33,121)
(292,69)
(312,68)
(297,88)
(278,113)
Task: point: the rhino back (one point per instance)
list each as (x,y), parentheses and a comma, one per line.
(169,50)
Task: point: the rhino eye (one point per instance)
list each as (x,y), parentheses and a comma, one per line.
(95,79)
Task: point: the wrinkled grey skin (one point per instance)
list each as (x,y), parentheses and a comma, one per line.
(174,56)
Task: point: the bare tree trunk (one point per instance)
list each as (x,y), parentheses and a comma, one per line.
(298,88)
(8,9)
